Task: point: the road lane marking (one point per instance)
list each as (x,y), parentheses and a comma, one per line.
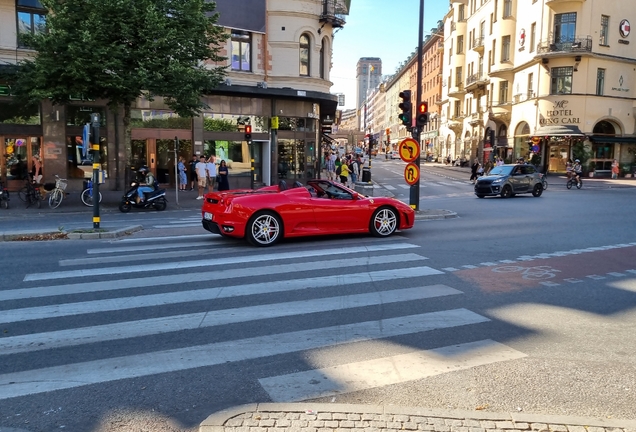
(80,374)
(131,329)
(216,261)
(111,285)
(385,371)
(126,303)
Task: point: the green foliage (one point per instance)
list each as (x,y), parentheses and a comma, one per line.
(219,125)
(163,123)
(581,152)
(119,50)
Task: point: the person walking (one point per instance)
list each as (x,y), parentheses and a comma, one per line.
(202,174)
(331,168)
(211,172)
(344,172)
(473,170)
(355,170)
(193,171)
(615,169)
(223,173)
(183,178)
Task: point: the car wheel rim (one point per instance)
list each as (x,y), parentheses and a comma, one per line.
(385,222)
(265,229)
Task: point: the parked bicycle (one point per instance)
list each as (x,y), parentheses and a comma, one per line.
(57,194)
(4,196)
(30,193)
(572,181)
(87,194)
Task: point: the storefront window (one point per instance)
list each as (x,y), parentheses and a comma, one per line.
(157,119)
(291,159)
(234,153)
(80,158)
(14,114)
(213,122)
(297,124)
(80,115)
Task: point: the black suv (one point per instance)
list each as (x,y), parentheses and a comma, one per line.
(509,180)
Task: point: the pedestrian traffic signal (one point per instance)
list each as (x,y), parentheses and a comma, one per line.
(422,115)
(406,116)
(248,132)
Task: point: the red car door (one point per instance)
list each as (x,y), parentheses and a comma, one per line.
(339,210)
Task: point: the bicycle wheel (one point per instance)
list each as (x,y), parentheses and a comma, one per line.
(87,197)
(569,184)
(56,198)
(22,194)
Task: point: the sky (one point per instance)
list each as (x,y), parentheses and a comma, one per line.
(379,28)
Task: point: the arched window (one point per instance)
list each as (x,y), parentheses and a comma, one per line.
(604,128)
(304,55)
(323,65)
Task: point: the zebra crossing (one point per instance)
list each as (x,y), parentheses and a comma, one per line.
(117,316)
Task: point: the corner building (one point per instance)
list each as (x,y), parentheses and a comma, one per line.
(278,63)
(539,79)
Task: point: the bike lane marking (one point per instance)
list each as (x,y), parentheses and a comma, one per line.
(602,265)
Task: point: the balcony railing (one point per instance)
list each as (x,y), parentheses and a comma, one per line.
(478,43)
(573,45)
(334,12)
(522,97)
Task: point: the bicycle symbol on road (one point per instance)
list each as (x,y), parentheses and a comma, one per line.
(529,273)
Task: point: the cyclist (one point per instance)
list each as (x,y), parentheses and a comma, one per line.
(146,185)
(568,169)
(577,170)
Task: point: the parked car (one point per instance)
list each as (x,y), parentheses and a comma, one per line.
(394,154)
(509,180)
(266,215)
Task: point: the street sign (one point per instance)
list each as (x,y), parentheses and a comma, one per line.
(409,150)
(412,174)
(326,129)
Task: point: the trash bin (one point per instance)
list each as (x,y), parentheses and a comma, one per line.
(366,175)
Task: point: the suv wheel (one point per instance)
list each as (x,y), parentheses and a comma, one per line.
(506,192)
(537,190)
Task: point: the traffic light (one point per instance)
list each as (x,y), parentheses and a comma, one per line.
(422,115)
(406,116)
(248,132)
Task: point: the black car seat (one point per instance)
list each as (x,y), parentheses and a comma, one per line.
(297,184)
(282,185)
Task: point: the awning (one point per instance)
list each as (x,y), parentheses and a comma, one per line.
(613,139)
(559,130)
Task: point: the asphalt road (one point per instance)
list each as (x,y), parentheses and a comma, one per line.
(518,304)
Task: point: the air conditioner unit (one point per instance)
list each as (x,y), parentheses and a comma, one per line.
(261,84)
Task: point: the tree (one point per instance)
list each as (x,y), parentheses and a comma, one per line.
(120,50)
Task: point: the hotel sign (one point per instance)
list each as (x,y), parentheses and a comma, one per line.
(559,114)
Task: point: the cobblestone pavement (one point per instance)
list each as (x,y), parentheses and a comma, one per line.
(300,417)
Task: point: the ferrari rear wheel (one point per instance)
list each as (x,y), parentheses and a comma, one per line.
(384,222)
(264,229)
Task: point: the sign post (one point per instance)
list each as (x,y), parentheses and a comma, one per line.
(96,167)
(409,150)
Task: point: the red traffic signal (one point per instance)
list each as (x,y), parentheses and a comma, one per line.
(248,132)
(422,115)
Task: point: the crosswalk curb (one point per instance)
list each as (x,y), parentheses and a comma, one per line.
(104,235)
(434,214)
(399,418)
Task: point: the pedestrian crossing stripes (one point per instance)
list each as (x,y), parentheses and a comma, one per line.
(201,309)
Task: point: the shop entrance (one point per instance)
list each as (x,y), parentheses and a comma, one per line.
(18,160)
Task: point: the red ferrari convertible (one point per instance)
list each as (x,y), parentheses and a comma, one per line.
(322,207)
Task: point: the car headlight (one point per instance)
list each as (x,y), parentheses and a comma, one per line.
(499,180)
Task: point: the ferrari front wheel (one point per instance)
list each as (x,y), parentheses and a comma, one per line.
(264,229)
(384,222)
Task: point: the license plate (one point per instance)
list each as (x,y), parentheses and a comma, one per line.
(207,216)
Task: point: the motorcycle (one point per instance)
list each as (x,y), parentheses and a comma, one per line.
(155,199)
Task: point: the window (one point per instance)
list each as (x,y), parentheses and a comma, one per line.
(241,42)
(507,11)
(600,82)
(494,44)
(304,55)
(561,80)
(461,14)
(492,23)
(458,76)
(533,35)
(505,48)
(530,85)
(503,92)
(604,30)
(31,19)
(495,10)
(565,27)
(323,65)
(458,109)
(460,44)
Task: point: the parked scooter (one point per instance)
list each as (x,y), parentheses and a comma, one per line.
(155,199)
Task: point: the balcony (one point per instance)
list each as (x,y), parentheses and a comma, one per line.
(478,44)
(457,91)
(501,111)
(475,81)
(333,12)
(502,70)
(552,3)
(475,119)
(522,97)
(574,46)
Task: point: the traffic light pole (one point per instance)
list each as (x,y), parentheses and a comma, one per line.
(96,167)
(414,196)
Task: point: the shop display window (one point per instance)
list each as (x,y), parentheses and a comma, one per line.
(158,119)
(80,115)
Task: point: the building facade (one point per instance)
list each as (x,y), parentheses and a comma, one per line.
(278,60)
(546,80)
(368,77)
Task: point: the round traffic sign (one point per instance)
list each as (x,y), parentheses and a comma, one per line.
(409,149)
(412,173)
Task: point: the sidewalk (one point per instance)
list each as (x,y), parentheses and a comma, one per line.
(313,417)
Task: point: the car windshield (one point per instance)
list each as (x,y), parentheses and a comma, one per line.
(501,170)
